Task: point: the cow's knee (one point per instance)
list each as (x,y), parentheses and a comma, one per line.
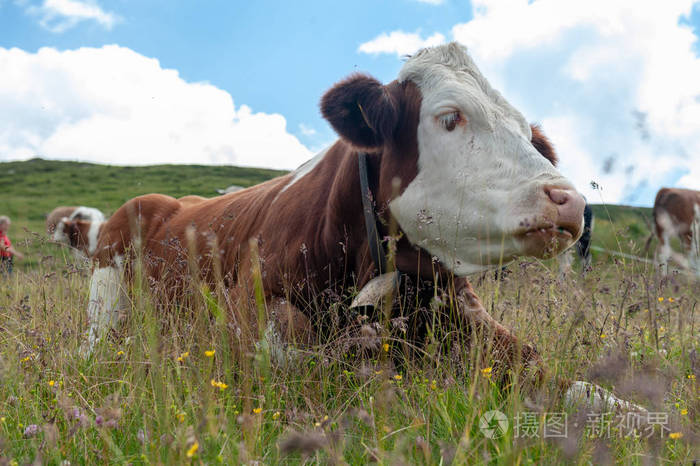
(287,329)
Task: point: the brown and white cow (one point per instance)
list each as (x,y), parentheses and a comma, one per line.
(676,213)
(467,181)
(77,227)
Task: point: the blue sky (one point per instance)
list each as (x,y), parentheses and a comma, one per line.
(616,87)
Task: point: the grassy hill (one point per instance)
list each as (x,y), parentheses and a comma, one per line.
(33,188)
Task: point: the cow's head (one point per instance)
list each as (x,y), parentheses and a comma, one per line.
(77,233)
(478,184)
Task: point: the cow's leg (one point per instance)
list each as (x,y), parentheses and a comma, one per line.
(694,241)
(107,298)
(596,398)
(506,349)
(287,330)
(664,228)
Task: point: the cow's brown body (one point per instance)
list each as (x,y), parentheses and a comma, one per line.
(191,199)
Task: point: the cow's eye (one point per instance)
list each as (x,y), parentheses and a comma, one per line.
(449,121)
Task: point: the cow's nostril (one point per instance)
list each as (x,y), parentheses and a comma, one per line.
(558,196)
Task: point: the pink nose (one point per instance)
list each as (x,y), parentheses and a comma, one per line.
(570,205)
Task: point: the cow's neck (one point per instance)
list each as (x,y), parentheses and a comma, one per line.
(343,235)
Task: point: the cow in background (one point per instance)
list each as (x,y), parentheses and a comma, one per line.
(77,227)
(677,214)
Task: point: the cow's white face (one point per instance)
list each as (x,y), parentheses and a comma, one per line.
(475,190)
(480,196)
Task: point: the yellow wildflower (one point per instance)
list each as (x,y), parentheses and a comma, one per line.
(675,435)
(184,355)
(386,347)
(257,410)
(218,384)
(691,376)
(193,450)
(398,377)
(52,383)
(276,415)
(210,353)
(433,385)
(486,372)
(684,412)
(661,299)
(180,417)
(670,300)
(602,335)
(120,353)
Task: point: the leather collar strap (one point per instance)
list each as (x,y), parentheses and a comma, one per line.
(376,247)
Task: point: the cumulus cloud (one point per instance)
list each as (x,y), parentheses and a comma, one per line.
(113,105)
(615,84)
(60,15)
(400,43)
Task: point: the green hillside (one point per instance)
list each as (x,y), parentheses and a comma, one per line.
(33,188)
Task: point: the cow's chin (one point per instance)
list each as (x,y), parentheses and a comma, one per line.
(544,242)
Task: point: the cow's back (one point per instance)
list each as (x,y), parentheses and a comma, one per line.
(228,221)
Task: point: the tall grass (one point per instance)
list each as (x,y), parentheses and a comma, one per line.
(175,384)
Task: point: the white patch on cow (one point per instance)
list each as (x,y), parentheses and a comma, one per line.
(59,234)
(107,297)
(597,399)
(92,238)
(303,170)
(694,254)
(89,214)
(668,230)
(478,184)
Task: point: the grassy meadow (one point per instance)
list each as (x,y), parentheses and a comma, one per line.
(173,386)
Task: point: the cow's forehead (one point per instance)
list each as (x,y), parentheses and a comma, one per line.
(449,71)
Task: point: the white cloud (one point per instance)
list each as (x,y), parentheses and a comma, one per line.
(399,42)
(60,15)
(616,85)
(113,105)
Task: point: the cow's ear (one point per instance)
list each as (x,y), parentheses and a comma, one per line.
(542,144)
(362,111)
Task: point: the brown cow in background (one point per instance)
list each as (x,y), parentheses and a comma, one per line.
(675,212)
